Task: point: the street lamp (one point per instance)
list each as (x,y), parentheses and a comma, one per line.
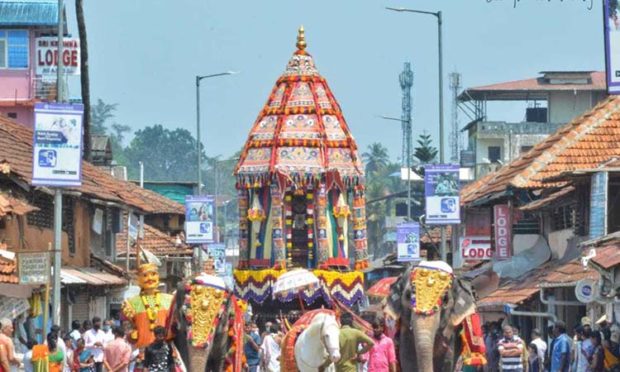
(441,139)
(408,122)
(198,79)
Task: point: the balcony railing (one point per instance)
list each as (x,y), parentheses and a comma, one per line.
(502,127)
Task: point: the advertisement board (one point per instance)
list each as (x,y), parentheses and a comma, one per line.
(57,144)
(612,45)
(598,205)
(408,242)
(441,188)
(218,253)
(33,267)
(46,62)
(476,248)
(503,231)
(199,219)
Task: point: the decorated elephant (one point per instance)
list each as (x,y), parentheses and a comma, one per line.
(429,303)
(207,324)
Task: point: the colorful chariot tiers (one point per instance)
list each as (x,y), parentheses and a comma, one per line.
(301,189)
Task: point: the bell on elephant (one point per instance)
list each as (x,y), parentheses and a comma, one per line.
(431,303)
(147,310)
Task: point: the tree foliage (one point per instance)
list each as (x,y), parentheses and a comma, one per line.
(100,113)
(426,153)
(376,158)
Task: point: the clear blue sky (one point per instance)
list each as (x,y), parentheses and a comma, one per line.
(144,56)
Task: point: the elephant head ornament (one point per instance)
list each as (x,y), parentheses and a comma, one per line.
(430,303)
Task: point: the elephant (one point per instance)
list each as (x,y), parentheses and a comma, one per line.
(429,303)
(199,306)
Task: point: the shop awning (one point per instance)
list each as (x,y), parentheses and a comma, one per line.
(71,275)
(608,256)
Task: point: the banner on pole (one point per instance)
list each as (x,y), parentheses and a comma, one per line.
(199,219)
(57,144)
(503,231)
(441,188)
(612,45)
(408,242)
(598,204)
(33,267)
(218,253)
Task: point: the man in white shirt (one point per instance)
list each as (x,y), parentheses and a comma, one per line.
(75,333)
(540,345)
(107,330)
(94,340)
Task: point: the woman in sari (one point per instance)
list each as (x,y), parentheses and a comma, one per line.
(83,358)
(56,356)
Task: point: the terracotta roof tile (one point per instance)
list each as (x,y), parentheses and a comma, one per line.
(435,235)
(549,199)
(8,268)
(13,205)
(16,155)
(584,143)
(608,256)
(157,242)
(598,83)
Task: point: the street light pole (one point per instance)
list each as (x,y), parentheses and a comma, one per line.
(444,253)
(199,162)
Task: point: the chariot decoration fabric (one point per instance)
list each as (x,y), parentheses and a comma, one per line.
(300,181)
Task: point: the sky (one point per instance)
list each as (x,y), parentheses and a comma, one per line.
(144,56)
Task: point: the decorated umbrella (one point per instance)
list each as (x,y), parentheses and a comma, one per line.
(381,289)
(295,281)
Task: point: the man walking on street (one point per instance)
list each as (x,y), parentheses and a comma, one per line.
(350,339)
(541,345)
(6,334)
(382,356)
(117,353)
(251,347)
(510,350)
(94,340)
(560,354)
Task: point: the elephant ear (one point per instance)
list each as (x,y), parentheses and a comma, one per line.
(464,301)
(393,304)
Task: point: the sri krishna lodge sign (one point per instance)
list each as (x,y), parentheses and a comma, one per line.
(503,231)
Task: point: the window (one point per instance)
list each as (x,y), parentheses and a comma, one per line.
(12,115)
(13,49)
(495,153)
(562,218)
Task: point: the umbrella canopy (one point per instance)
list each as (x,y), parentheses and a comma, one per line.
(295,280)
(382,287)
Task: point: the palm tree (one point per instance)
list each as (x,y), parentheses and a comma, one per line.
(425,152)
(84,78)
(376,158)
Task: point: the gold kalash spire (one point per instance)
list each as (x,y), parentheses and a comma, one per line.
(301,38)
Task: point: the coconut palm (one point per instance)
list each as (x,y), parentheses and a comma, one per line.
(376,158)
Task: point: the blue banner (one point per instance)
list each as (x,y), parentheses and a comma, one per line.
(199,219)
(441,188)
(408,242)
(598,205)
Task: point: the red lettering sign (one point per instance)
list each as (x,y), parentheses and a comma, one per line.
(475,248)
(503,232)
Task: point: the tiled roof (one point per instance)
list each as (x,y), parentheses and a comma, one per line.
(72,275)
(550,275)
(12,205)
(545,201)
(584,143)
(16,154)
(598,83)
(608,256)
(157,242)
(434,235)
(8,268)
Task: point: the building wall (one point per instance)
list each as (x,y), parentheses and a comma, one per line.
(21,114)
(566,105)
(16,83)
(482,148)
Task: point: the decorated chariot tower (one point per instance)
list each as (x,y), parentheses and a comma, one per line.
(301,191)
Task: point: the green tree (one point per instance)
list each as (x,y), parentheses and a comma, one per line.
(425,152)
(376,158)
(100,113)
(168,155)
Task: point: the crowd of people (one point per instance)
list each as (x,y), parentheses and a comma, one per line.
(588,350)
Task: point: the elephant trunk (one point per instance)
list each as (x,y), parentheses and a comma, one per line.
(198,359)
(424,332)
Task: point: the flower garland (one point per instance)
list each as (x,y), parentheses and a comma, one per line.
(152,305)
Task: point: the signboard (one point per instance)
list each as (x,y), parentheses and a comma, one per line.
(33,267)
(476,248)
(11,307)
(598,205)
(218,253)
(503,231)
(408,242)
(57,144)
(441,188)
(612,45)
(586,290)
(199,219)
(47,56)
